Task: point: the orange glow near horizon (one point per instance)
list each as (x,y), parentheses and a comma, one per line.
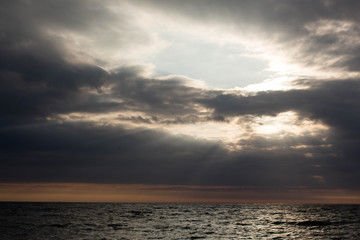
(137,193)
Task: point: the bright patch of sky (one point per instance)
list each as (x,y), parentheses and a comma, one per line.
(218,65)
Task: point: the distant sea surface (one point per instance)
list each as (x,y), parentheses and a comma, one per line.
(177,221)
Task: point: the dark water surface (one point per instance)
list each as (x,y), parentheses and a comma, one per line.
(178,221)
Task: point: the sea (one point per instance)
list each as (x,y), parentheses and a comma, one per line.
(107,221)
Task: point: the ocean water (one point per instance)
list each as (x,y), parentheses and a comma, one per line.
(177,221)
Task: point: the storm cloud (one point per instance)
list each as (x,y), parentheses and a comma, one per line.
(73,110)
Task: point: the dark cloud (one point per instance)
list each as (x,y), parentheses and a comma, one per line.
(88,153)
(167,97)
(38,81)
(332,102)
(52,152)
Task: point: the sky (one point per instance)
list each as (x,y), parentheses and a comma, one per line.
(180,101)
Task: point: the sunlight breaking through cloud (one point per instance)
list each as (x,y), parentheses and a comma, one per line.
(259,94)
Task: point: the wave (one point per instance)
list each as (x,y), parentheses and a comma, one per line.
(313,223)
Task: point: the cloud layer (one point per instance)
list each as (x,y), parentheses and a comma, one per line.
(70,114)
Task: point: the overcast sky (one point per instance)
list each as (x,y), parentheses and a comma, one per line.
(239,94)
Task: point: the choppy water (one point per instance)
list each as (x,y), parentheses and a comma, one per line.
(177,221)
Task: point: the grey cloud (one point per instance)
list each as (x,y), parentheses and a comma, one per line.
(168,120)
(38,82)
(289,142)
(89,153)
(334,103)
(53,20)
(330,101)
(284,23)
(38,87)
(169,97)
(33,88)
(31,58)
(101,154)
